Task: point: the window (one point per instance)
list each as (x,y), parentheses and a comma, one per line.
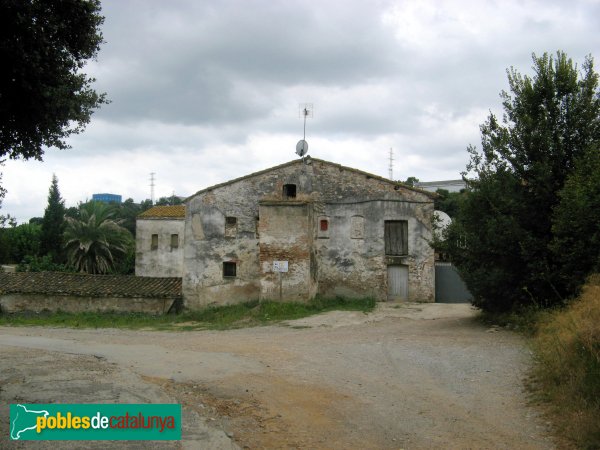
(230,227)
(174,241)
(396,237)
(323,227)
(289,191)
(154,244)
(229,269)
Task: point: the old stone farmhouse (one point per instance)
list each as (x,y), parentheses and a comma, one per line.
(296,230)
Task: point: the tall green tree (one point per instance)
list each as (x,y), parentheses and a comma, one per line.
(53,223)
(576,222)
(96,242)
(44,95)
(500,239)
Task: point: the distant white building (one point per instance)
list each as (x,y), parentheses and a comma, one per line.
(449,185)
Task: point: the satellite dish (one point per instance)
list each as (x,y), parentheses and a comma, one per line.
(301,147)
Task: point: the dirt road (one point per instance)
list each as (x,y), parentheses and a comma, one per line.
(404,376)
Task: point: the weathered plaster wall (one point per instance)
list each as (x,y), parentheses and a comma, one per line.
(355,204)
(286,234)
(163,261)
(13,303)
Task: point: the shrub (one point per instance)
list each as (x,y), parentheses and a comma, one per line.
(567,365)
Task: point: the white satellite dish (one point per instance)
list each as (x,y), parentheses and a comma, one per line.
(301,148)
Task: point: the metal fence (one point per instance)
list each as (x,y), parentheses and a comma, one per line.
(449,287)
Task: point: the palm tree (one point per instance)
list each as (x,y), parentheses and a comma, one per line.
(95,241)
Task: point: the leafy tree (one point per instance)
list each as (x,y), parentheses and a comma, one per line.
(576,222)
(96,242)
(53,223)
(500,239)
(127,212)
(411,181)
(24,240)
(169,201)
(448,201)
(44,97)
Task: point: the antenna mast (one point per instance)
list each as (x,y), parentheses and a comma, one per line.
(152,187)
(391,169)
(305,110)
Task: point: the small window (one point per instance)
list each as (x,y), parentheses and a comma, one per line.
(154,244)
(289,191)
(174,241)
(230,226)
(229,269)
(324,225)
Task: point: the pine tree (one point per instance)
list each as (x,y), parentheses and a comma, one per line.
(53,223)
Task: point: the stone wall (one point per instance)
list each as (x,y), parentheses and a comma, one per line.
(286,235)
(14,303)
(164,260)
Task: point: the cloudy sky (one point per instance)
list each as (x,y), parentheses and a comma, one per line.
(205,91)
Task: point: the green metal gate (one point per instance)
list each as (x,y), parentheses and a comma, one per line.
(449,287)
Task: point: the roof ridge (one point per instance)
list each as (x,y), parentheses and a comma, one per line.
(310,158)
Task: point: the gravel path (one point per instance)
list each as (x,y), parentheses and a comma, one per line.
(404,376)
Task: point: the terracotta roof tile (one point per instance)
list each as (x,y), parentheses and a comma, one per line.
(82,285)
(176,212)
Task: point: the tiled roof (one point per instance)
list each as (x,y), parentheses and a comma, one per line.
(82,285)
(176,212)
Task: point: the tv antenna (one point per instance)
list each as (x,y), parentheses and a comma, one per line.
(152,187)
(305,111)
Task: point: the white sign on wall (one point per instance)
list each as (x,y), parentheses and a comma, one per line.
(280,266)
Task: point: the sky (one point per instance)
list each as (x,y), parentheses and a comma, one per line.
(205,91)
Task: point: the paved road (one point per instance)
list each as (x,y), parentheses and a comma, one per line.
(405,376)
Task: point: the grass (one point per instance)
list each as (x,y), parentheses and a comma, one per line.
(239,315)
(566,372)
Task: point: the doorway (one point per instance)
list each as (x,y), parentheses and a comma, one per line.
(397,279)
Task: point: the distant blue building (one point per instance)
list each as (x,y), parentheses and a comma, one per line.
(106,198)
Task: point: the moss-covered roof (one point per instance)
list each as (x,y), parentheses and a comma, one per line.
(164,212)
(82,285)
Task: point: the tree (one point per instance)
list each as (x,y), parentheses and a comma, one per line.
(169,201)
(23,240)
(576,222)
(44,97)
(411,181)
(95,243)
(448,201)
(53,223)
(500,239)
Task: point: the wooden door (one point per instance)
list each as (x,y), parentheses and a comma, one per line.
(397,278)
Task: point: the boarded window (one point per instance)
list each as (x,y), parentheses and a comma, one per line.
(396,237)
(154,244)
(324,224)
(174,241)
(289,191)
(230,226)
(229,269)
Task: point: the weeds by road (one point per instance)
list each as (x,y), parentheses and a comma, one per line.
(247,314)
